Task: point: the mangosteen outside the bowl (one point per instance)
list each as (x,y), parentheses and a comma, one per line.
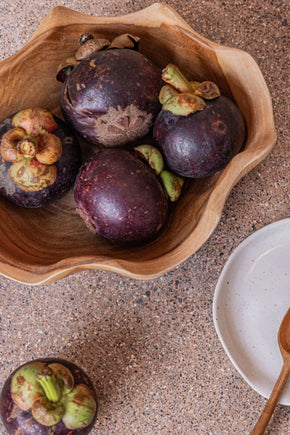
(48,396)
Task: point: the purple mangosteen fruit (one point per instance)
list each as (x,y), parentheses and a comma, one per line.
(39,158)
(110,94)
(48,396)
(198,131)
(120,197)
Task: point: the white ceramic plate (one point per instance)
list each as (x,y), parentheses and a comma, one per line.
(250,301)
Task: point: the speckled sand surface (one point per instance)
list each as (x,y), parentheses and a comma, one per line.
(150,346)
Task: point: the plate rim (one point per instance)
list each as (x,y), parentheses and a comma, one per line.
(218,289)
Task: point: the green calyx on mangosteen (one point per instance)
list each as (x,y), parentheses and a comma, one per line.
(172,183)
(152,156)
(198,131)
(39,157)
(178,83)
(110,95)
(48,396)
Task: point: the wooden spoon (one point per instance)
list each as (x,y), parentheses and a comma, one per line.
(284,345)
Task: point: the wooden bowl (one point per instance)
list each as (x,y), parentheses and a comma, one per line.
(43,245)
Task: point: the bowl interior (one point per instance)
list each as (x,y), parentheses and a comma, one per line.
(36,240)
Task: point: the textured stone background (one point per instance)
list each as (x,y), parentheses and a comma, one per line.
(151,347)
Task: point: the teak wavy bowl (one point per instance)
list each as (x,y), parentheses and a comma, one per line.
(43,245)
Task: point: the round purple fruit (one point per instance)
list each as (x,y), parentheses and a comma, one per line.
(120,197)
(198,131)
(110,94)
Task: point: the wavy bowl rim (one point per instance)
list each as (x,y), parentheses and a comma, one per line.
(240,165)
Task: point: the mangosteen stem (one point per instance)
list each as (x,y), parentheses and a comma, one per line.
(47,382)
(172,75)
(28,146)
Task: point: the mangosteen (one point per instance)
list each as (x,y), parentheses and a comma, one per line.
(48,396)
(39,158)
(120,197)
(198,130)
(110,94)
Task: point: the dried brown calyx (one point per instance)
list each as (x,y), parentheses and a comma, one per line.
(125,41)
(183,97)
(89,45)
(32,148)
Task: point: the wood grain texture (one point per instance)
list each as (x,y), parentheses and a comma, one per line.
(43,245)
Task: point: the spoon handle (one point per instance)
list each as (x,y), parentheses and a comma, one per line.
(267,412)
